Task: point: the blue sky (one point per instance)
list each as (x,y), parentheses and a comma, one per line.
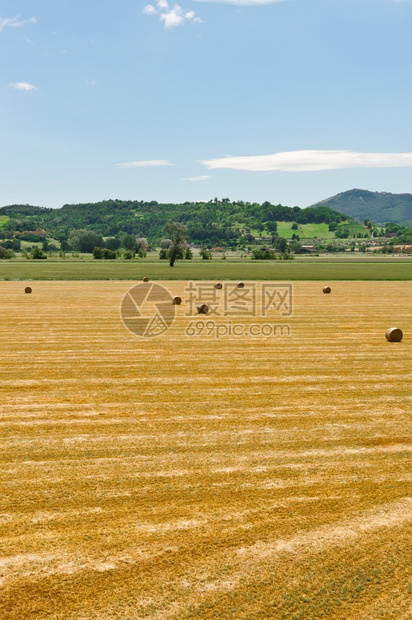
(289,101)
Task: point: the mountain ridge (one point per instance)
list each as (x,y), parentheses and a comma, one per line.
(379,207)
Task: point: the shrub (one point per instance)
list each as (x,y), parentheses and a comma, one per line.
(109,254)
(106,253)
(205,254)
(37,253)
(5,254)
(263,254)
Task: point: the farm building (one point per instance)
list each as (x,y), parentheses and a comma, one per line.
(308,248)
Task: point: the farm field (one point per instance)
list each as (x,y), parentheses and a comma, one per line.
(341,267)
(193,477)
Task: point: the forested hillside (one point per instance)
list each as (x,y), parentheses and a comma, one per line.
(218,222)
(379,207)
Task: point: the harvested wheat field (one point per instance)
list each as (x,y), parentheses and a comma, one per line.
(188,476)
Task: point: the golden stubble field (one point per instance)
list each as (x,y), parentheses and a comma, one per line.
(188,477)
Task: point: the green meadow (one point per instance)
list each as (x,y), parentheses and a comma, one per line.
(319,231)
(354,267)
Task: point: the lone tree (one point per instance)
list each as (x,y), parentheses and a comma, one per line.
(281,244)
(177,236)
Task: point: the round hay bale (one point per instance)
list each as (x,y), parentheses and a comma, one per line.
(27,289)
(145,279)
(240,284)
(327,289)
(218,285)
(177,301)
(394,334)
(202,309)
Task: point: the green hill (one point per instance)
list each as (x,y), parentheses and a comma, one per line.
(379,207)
(217,222)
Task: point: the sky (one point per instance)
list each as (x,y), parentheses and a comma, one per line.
(290,101)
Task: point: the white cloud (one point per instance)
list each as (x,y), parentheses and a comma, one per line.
(171,17)
(204,177)
(23,86)
(301,161)
(141,164)
(149,10)
(15,22)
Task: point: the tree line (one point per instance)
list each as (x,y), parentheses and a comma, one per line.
(213,223)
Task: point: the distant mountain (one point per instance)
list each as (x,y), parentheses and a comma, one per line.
(379,207)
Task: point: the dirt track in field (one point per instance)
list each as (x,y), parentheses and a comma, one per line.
(189,476)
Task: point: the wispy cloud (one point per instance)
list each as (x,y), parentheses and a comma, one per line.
(171,17)
(203,177)
(142,164)
(243,2)
(302,161)
(15,22)
(23,86)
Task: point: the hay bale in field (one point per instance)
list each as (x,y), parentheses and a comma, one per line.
(240,284)
(202,309)
(177,301)
(327,289)
(218,285)
(145,279)
(27,289)
(394,334)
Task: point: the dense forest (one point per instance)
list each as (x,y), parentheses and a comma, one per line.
(217,223)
